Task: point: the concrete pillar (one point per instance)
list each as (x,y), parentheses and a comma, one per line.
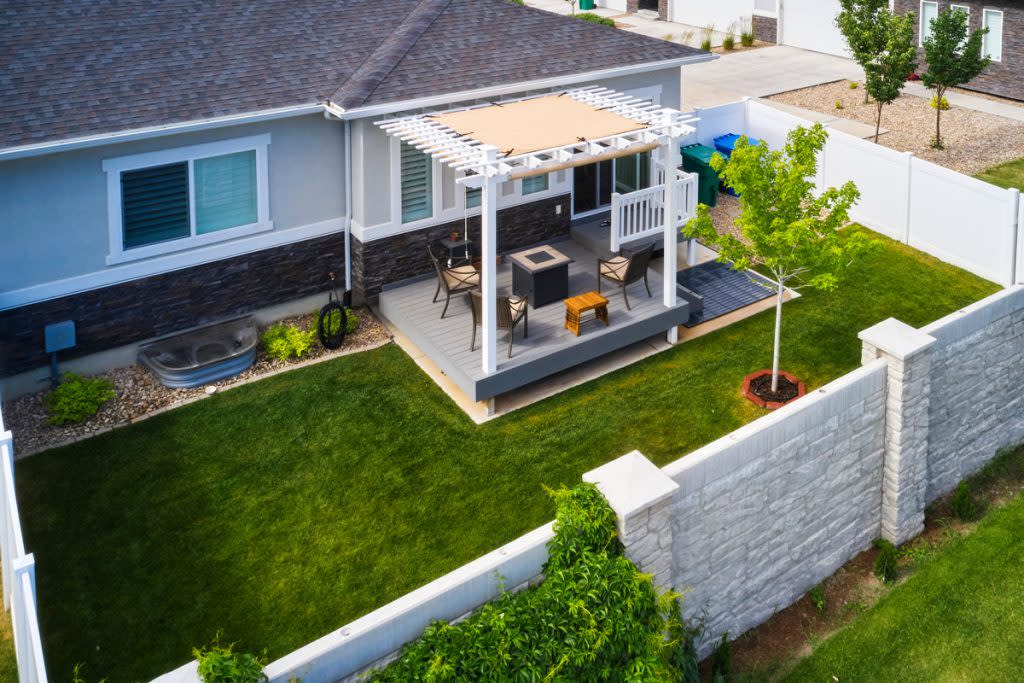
(906,351)
(642,497)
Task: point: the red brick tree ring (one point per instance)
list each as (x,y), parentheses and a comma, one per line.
(757,388)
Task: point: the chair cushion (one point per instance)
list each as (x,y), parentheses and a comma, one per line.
(615,268)
(462,277)
(516,306)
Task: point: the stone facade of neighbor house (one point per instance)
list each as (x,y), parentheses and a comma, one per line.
(636,5)
(404,256)
(1004,78)
(766,28)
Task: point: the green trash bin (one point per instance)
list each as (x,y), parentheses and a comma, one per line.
(586,5)
(697,159)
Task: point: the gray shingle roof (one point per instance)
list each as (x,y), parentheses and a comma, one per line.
(84,67)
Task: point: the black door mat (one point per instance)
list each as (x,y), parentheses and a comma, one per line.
(722,289)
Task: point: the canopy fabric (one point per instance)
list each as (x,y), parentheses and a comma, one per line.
(536,124)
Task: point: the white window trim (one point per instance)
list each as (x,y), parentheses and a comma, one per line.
(116,166)
(922,26)
(984,24)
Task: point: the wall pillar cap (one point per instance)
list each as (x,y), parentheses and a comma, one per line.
(897,339)
(632,484)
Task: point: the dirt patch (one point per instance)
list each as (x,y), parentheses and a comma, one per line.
(974,141)
(140,394)
(771,650)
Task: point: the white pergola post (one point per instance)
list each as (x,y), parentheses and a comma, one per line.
(488,264)
(670,159)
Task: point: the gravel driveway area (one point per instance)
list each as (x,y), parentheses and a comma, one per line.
(974,141)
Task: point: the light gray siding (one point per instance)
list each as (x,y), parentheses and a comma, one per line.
(53,208)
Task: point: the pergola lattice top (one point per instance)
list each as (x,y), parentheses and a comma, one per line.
(532,135)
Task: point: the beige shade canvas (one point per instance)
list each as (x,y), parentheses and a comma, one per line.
(537,124)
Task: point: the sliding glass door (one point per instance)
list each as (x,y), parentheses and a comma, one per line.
(593,184)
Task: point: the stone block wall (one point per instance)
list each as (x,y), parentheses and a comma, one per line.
(1004,78)
(976,405)
(765,513)
(392,259)
(766,29)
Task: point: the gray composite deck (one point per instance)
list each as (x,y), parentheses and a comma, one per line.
(549,349)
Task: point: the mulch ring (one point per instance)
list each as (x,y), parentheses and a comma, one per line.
(757,387)
(140,394)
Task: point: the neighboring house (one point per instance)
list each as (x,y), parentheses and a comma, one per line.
(163,165)
(1004,42)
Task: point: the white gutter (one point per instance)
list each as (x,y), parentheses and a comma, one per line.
(42,148)
(505,89)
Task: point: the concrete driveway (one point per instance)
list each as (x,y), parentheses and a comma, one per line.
(760,73)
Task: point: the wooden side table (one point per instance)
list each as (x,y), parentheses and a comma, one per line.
(576,306)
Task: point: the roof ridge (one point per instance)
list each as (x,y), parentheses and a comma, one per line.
(371,73)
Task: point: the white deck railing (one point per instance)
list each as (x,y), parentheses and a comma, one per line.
(19,573)
(640,214)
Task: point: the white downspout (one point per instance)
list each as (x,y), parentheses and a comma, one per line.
(348,204)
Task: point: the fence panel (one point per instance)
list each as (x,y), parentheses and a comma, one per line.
(769,124)
(962,221)
(19,573)
(882,175)
(715,121)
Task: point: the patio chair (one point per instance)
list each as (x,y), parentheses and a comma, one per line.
(511,309)
(454,279)
(625,270)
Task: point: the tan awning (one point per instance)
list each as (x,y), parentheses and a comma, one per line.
(537,124)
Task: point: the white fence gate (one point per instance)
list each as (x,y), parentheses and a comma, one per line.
(19,573)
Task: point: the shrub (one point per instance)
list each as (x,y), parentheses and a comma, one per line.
(721,660)
(516,2)
(839,104)
(963,506)
(885,563)
(351,321)
(706,33)
(817,596)
(729,41)
(854,85)
(77,398)
(939,103)
(593,617)
(746,32)
(286,341)
(221,665)
(595,19)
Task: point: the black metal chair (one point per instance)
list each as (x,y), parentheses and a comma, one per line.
(453,279)
(625,270)
(511,309)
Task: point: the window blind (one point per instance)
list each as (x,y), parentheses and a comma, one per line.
(225,191)
(473,197)
(993,40)
(154,204)
(417,189)
(535,183)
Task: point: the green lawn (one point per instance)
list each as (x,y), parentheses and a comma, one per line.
(8,660)
(959,618)
(281,510)
(1010,174)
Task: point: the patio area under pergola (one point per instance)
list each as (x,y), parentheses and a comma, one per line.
(492,143)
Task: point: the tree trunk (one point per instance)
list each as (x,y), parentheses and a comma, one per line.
(878,122)
(778,335)
(939,94)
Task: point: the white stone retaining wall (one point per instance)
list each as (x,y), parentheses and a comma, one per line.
(768,511)
(977,387)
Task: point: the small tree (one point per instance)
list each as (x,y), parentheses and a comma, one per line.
(887,72)
(787,228)
(953,58)
(865,35)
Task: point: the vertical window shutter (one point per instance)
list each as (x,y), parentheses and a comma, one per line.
(417,188)
(225,191)
(154,204)
(535,183)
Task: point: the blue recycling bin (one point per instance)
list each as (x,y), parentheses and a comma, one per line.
(725,144)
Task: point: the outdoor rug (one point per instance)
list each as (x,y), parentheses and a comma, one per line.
(723,289)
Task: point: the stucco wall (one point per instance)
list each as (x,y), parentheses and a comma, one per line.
(53,208)
(765,513)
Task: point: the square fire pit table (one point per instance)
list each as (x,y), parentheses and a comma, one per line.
(541,274)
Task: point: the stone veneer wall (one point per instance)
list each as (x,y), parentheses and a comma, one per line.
(1005,78)
(977,374)
(766,29)
(149,307)
(392,259)
(767,512)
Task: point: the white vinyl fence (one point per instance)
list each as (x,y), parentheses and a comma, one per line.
(956,218)
(19,573)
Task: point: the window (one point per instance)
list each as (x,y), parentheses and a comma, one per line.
(929,11)
(417,186)
(992,19)
(633,172)
(535,183)
(473,197)
(967,11)
(176,199)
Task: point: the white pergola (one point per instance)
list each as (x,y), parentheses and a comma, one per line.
(540,134)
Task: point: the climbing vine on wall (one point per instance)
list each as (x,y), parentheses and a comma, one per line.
(594,617)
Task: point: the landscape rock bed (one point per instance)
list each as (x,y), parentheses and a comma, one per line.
(140,394)
(975,141)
